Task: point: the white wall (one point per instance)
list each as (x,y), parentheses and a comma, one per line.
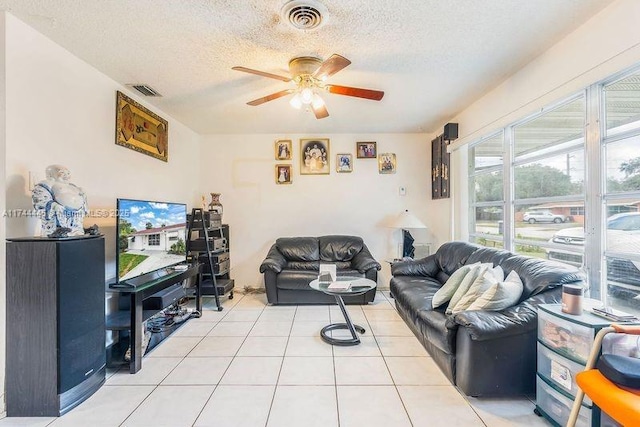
(241,167)
(3,288)
(606,44)
(60,110)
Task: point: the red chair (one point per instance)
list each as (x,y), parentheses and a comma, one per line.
(613,385)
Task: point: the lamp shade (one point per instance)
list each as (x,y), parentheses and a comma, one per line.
(407,220)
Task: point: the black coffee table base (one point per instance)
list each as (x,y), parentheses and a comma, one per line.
(354,340)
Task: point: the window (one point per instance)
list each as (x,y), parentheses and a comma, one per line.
(154,240)
(548,181)
(487,191)
(576,210)
(536,193)
(621,151)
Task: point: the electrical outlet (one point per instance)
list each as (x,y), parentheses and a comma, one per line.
(402,190)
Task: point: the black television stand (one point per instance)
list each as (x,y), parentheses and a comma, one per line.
(151,276)
(139,289)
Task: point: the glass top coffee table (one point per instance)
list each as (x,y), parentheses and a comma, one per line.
(359,285)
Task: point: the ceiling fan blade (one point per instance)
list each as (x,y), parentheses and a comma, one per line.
(262,73)
(270,97)
(331,66)
(320,111)
(375,95)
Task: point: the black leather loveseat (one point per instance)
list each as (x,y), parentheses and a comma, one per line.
(484,353)
(293,262)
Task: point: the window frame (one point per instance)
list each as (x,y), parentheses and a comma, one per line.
(153,238)
(595,198)
(473,204)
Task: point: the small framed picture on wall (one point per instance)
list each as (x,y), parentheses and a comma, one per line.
(344,163)
(366,150)
(387,163)
(283,174)
(283,149)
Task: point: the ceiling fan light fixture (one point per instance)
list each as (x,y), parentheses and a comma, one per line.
(306,95)
(296,101)
(317,101)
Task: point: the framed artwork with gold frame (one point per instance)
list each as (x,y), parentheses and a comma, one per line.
(283,174)
(140,129)
(387,163)
(344,163)
(314,156)
(283,149)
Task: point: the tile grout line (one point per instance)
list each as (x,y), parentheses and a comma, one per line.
(335,376)
(395,386)
(225,371)
(399,395)
(275,387)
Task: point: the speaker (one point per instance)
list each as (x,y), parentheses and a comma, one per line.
(450,131)
(55,324)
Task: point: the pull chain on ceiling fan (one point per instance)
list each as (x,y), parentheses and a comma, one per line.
(309,74)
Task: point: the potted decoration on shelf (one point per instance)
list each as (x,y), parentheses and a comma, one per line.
(215,205)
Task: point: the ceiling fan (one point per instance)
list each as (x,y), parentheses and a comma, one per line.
(309,74)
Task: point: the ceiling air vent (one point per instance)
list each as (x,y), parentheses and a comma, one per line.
(304,14)
(146,90)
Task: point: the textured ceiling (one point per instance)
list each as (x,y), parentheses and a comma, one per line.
(431,57)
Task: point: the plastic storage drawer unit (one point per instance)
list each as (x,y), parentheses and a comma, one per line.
(559,371)
(558,406)
(569,339)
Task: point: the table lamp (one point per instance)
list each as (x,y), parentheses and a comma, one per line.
(405,221)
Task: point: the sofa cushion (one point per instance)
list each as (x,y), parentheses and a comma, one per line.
(342,265)
(339,248)
(296,279)
(452,256)
(500,295)
(299,248)
(447,290)
(539,275)
(438,330)
(300,279)
(415,295)
(414,291)
(303,265)
(485,255)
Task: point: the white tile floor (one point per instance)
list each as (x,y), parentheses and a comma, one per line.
(258,365)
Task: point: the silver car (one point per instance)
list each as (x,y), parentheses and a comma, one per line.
(623,235)
(543,216)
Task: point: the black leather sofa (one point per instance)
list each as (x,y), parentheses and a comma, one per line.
(293,262)
(484,353)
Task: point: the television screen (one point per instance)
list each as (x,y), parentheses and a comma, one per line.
(151,236)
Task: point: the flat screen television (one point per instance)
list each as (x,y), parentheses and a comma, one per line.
(150,236)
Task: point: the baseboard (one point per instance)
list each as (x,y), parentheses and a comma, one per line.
(2,406)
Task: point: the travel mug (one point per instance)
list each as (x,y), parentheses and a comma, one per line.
(572,299)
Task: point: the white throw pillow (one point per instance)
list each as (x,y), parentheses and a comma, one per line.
(500,295)
(477,288)
(498,273)
(472,275)
(447,290)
